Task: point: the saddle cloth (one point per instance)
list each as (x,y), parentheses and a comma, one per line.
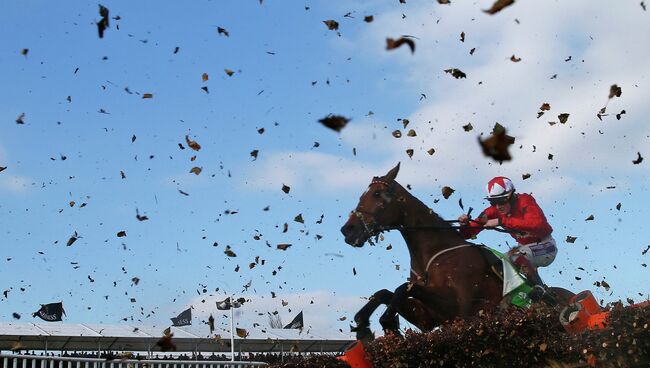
(511,277)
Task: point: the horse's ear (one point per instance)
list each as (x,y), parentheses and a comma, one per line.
(392,174)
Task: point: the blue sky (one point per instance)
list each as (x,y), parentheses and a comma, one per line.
(290,71)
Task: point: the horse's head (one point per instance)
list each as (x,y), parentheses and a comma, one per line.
(379,209)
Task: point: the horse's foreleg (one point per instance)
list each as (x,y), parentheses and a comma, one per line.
(362,318)
(422,316)
(389,320)
(417,307)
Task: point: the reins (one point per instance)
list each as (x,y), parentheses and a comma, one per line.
(375,230)
(439,227)
(469,212)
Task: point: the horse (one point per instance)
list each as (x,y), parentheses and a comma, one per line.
(450,277)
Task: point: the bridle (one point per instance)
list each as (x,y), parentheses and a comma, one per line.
(371,229)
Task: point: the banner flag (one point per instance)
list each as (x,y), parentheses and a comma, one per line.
(226,304)
(52,312)
(296,323)
(183,319)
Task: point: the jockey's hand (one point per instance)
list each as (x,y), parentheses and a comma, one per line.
(491,223)
(463,220)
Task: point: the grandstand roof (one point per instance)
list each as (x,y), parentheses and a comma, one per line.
(54,336)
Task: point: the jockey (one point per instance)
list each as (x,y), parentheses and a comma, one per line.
(521,214)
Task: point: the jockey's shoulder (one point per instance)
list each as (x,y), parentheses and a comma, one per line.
(526,197)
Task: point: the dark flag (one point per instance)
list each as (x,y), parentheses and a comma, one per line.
(183,319)
(52,312)
(296,323)
(226,304)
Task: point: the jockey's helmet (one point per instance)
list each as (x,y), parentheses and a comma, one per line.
(499,187)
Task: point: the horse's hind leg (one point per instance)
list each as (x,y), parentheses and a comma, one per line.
(362,318)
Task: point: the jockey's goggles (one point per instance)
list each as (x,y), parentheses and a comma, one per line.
(499,200)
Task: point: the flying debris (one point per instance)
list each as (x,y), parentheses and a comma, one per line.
(456,73)
(392,44)
(103,23)
(331,24)
(499,5)
(496,146)
(334,122)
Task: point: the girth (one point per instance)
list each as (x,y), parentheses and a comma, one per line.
(425,277)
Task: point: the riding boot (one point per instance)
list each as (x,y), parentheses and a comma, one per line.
(532,276)
(539,291)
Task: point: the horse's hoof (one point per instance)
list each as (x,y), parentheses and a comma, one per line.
(365,335)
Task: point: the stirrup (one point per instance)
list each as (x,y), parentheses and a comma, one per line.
(537,293)
(540,293)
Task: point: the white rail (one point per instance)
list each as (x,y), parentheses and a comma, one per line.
(36,361)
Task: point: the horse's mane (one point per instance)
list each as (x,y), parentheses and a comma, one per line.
(439,221)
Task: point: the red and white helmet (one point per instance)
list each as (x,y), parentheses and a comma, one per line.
(499,187)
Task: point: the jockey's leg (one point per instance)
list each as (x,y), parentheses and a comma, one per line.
(528,269)
(527,258)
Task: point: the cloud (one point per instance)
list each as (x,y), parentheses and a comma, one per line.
(496,90)
(313,170)
(14,183)
(9,181)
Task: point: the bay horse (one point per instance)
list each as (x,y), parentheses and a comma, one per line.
(450,277)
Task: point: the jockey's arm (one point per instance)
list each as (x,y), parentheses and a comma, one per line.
(471,229)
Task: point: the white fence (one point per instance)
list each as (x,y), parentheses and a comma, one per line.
(35,361)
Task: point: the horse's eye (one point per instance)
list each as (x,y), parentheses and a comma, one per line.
(376,194)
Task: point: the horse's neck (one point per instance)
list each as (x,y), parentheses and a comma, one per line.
(423,243)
